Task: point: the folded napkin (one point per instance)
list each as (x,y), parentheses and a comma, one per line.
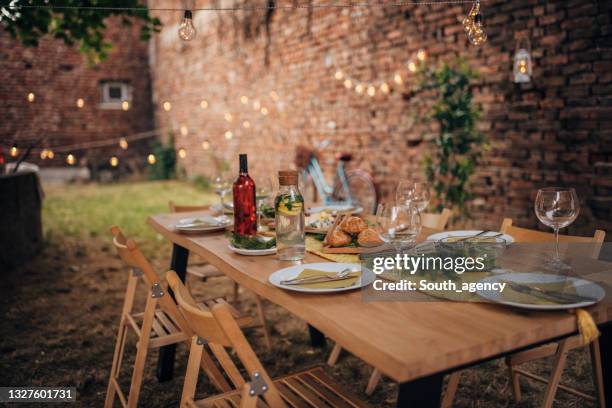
(350,280)
(201,221)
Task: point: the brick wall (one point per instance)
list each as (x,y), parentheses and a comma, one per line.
(556,130)
(58,76)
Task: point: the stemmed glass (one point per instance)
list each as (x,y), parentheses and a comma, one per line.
(263,190)
(222,185)
(398,225)
(557,207)
(413,193)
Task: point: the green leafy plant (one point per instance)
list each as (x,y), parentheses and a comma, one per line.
(73,25)
(165,164)
(457,145)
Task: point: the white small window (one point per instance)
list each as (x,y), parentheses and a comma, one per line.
(113,94)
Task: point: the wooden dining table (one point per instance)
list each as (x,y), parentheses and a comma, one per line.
(414,343)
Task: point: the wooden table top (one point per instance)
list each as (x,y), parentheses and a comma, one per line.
(404,340)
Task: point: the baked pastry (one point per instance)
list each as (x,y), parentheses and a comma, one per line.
(353,225)
(338,238)
(369,238)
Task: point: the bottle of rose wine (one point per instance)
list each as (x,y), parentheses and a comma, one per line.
(245,205)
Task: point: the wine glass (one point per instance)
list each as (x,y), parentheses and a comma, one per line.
(403,192)
(398,225)
(222,185)
(557,207)
(263,190)
(413,193)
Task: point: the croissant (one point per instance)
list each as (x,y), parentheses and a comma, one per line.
(353,225)
(338,238)
(369,238)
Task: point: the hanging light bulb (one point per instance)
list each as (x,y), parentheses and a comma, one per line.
(184,130)
(421,55)
(50,154)
(182,153)
(228,117)
(384,88)
(371,90)
(151,158)
(187,31)
(472,25)
(412,67)
(123,143)
(70,159)
(246,124)
(522,61)
(14,151)
(264,111)
(244,99)
(44,154)
(339,75)
(348,84)
(80,103)
(205,145)
(125,105)
(167,106)
(204,104)
(398,78)
(31,97)
(229,135)
(114,161)
(359,88)
(256,104)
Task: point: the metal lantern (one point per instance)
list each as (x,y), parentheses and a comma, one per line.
(522,61)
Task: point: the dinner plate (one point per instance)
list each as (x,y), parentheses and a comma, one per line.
(335,208)
(582,287)
(208,224)
(252,252)
(367,276)
(467,233)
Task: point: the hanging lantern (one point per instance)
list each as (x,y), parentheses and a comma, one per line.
(473,27)
(522,61)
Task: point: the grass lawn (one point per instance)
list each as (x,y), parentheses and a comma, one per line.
(61,309)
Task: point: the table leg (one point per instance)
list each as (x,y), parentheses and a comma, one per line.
(605,347)
(165,361)
(422,393)
(317,339)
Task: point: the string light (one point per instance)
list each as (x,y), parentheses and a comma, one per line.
(70,159)
(228,117)
(123,143)
(264,111)
(114,161)
(371,90)
(246,124)
(397,78)
(421,55)
(50,154)
(182,153)
(203,104)
(359,88)
(384,88)
(167,106)
(125,105)
(43,154)
(472,25)
(184,130)
(244,99)
(348,84)
(151,159)
(14,151)
(229,135)
(187,31)
(31,97)
(80,103)
(412,67)
(256,104)
(339,75)
(205,145)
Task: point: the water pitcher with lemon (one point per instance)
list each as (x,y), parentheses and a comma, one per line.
(289,207)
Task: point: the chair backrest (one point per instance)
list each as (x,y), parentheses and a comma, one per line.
(526,235)
(436,221)
(131,255)
(186,208)
(219,329)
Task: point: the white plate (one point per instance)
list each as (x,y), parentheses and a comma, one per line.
(583,288)
(335,208)
(183,225)
(467,233)
(252,252)
(367,276)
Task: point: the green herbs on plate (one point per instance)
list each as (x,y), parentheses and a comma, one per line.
(252,242)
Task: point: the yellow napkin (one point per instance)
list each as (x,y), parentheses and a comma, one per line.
(352,278)
(315,246)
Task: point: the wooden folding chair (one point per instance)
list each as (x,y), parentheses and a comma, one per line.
(428,220)
(215,330)
(559,349)
(160,324)
(203,270)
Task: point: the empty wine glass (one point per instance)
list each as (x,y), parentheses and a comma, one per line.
(413,193)
(263,191)
(222,185)
(398,225)
(557,207)
(403,192)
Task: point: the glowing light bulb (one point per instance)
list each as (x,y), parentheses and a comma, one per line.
(229,135)
(70,159)
(359,88)
(348,84)
(125,105)
(371,90)
(246,124)
(339,75)
(50,154)
(123,143)
(384,88)
(205,145)
(31,97)
(256,104)
(264,111)
(203,104)
(244,99)
(398,78)
(114,161)
(14,151)
(477,35)
(80,103)
(412,67)
(43,154)
(167,106)
(151,158)
(187,31)
(228,117)
(421,55)
(182,153)
(184,130)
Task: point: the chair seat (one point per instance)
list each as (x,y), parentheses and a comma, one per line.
(310,388)
(165,331)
